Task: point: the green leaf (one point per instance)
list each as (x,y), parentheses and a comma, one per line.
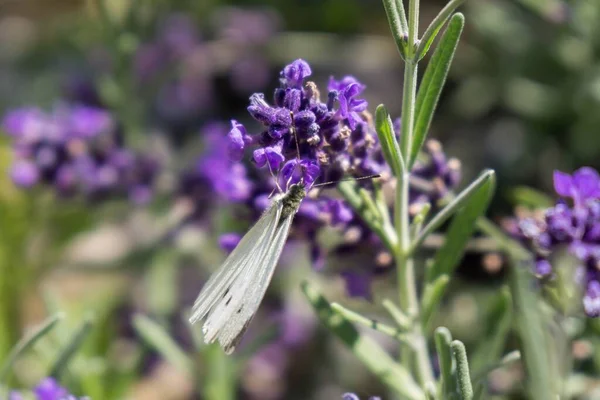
(432,295)
(353,316)
(443,340)
(496,326)
(27,342)
(435,26)
(524,195)
(71,348)
(532,327)
(462,367)
(155,335)
(368,351)
(432,84)
(388,140)
(394,10)
(219,382)
(462,227)
(452,207)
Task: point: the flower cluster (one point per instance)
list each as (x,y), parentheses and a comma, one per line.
(574,225)
(77,150)
(47,389)
(179,66)
(317,138)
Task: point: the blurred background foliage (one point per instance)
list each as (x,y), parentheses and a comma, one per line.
(522,98)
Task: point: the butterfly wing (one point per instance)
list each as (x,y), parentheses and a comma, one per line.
(260,277)
(219,286)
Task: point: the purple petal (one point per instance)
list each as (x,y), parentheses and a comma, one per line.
(587,183)
(563,184)
(294,73)
(238,137)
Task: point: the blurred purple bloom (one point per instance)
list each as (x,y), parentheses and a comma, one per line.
(76,149)
(358,284)
(88,122)
(352,396)
(577,227)
(24,173)
(591,299)
(228,241)
(49,389)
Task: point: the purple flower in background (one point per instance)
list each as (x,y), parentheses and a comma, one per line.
(48,389)
(24,173)
(352,396)
(576,227)
(76,149)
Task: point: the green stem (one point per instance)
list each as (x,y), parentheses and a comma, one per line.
(418,360)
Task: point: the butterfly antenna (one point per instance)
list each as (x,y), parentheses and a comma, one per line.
(348,179)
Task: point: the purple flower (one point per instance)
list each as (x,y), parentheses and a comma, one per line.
(271,155)
(238,138)
(49,389)
(76,149)
(24,173)
(228,241)
(293,75)
(350,106)
(358,284)
(295,171)
(352,396)
(88,122)
(577,227)
(582,185)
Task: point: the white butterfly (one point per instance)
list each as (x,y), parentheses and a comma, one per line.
(233,293)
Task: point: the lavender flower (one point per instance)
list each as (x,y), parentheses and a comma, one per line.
(302,137)
(76,149)
(576,227)
(48,389)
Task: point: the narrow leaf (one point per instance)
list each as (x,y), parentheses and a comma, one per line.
(395,376)
(219,383)
(27,342)
(524,195)
(433,82)
(498,321)
(451,208)
(461,228)
(353,316)
(62,361)
(462,368)
(396,16)
(531,327)
(388,140)
(154,335)
(435,26)
(401,319)
(443,340)
(432,295)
